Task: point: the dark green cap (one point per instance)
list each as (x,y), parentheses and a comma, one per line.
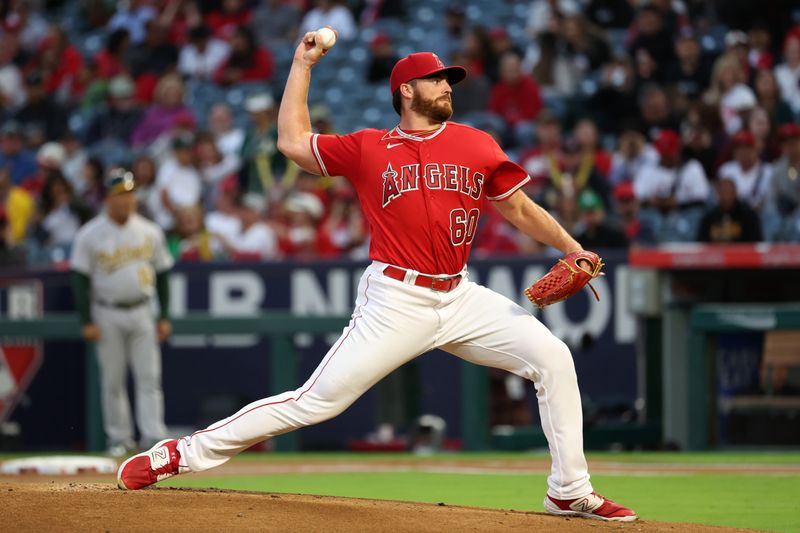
(589,200)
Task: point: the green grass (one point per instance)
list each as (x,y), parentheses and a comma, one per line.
(751,501)
(693,458)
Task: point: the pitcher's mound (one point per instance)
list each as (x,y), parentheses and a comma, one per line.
(80,506)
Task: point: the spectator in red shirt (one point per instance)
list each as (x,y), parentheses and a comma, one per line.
(515,98)
(113,58)
(225,21)
(246,62)
(180,16)
(637,230)
(344,228)
(60,64)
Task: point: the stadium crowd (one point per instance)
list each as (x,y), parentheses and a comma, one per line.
(639,121)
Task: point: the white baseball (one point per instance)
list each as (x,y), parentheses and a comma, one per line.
(325,38)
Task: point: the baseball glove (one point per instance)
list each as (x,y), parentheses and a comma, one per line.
(567,277)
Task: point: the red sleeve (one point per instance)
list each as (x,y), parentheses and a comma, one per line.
(506,178)
(338,155)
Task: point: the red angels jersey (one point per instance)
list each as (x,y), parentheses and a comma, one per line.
(422,196)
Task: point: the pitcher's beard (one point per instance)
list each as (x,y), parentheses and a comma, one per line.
(438,110)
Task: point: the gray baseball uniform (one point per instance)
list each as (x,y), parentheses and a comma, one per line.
(122,262)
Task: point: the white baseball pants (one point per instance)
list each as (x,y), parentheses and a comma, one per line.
(128,337)
(394,322)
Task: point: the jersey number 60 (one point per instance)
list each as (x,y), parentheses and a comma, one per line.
(463,225)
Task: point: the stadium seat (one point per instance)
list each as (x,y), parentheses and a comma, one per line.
(790,231)
(417,36)
(91,43)
(483,120)
(359,55)
(653,219)
(397,30)
(425,15)
(334,96)
(616,41)
(681,226)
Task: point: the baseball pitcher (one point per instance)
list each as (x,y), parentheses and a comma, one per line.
(422,186)
(119,263)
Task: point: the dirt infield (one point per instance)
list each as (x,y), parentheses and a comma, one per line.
(29,504)
(93,503)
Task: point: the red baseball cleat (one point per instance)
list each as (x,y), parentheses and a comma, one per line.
(156,464)
(590,506)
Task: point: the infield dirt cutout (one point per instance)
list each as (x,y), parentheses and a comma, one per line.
(35,503)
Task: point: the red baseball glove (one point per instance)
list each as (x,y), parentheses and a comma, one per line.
(567,277)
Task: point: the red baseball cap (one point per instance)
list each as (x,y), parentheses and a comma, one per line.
(184,119)
(668,143)
(498,32)
(624,191)
(420,65)
(794,34)
(789,131)
(380,39)
(743,138)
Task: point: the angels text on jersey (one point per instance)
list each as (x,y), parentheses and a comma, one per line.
(448,177)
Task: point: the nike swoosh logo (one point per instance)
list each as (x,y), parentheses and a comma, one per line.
(390,145)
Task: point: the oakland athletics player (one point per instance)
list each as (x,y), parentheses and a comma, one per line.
(119,260)
(421,186)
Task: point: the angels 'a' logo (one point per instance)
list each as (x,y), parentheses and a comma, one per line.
(390,188)
(438,61)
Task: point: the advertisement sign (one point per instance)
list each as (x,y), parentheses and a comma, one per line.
(207,377)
